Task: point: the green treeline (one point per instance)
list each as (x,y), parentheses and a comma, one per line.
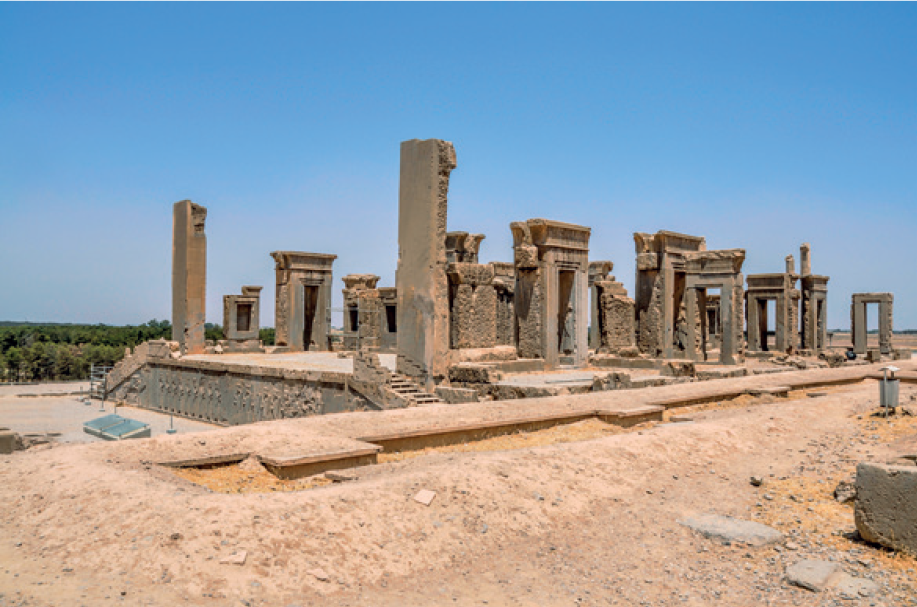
(49,352)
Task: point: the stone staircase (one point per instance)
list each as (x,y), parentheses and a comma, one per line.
(134,361)
(405,387)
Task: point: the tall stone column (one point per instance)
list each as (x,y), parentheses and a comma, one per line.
(189,276)
(423,288)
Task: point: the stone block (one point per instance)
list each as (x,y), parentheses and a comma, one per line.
(456,396)
(647,261)
(10,441)
(474,373)
(526,256)
(885,509)
(729,529)
(677,368)
(470,274)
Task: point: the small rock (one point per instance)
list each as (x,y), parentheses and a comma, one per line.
(340,476)
(756,481)
(812,575)
(850,587)
(175,537)
(425,497)
(236,558)
(728,529)
(845,492)
(319,574)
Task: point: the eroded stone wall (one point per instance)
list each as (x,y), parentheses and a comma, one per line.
(220,394)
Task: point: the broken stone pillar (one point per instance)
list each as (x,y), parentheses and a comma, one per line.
(462,247)
(598,270)
(505,288)
(552,291)
(858,328)
(715,270)
(189,276)
(361,312)
(242,321)
(303,300)
(615,318)
(805,259)
(388,298)
(423,288)
(472,305)
(660,289)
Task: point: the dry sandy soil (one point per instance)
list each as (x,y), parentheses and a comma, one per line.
(583,516)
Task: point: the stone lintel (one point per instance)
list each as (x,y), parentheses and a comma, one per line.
(300,260)
(360,281)
(547,233)
(725,261)
(873,297)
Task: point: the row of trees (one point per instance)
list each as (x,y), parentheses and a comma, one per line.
(64,352)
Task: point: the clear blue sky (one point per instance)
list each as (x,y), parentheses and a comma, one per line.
(760,126)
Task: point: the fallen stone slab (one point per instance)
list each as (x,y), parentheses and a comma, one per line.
(813,575)
(721,373)
(456,396)
(781,391)
(885,508)
(236,558)
(425,497)
(850,587)
(728,529)
(818,576)
(10,441)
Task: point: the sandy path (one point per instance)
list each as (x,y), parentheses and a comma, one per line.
(570,524)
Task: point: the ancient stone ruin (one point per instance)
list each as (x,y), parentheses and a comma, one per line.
(858,330)
(303,305)
(456,329)
(242,321)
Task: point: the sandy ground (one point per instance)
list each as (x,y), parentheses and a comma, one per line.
(588,522)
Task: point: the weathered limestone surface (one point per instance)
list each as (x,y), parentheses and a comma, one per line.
(189,276)
(886,505)
(233,394)
(303,300)
(858,328)
(423,288)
